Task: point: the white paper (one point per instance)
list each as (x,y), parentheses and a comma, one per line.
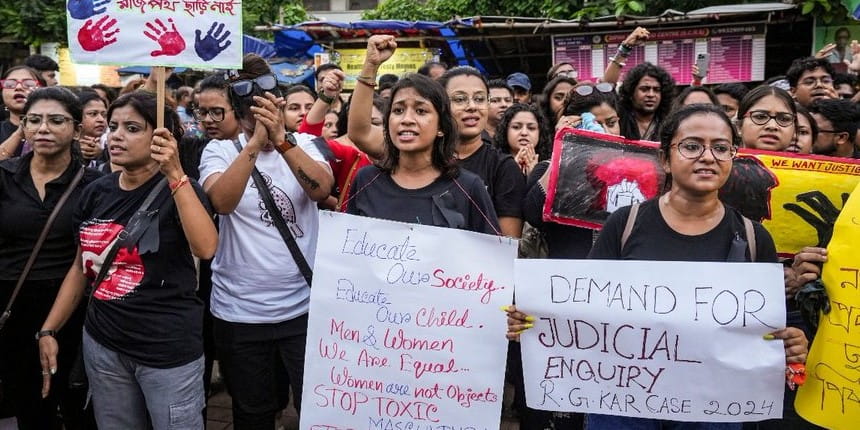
(203,34)
(678,341)
(405,329)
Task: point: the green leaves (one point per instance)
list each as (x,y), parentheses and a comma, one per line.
(825,10)
(34,21)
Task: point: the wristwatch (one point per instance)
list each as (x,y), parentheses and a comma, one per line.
(42,333)
(288,143)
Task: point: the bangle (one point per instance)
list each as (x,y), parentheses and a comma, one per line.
(326,99)
(625,49)
(371,84)
(175,186)
(42,333)
(369,78)
(618,63)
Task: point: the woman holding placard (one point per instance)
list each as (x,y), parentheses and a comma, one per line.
(687,223)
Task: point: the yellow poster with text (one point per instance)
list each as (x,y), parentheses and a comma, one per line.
(831,395)
(806,195)
(404,60)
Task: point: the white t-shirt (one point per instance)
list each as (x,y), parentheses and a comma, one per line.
(254,276)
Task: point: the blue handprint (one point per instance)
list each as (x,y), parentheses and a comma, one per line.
(84,9)
(210,46)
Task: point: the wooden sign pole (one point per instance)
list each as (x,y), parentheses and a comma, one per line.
(159,82)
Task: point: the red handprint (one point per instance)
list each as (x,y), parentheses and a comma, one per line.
(171,41)
(93,37)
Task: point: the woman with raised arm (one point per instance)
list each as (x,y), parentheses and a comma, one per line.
(260,292)
(418,180)
(138,229)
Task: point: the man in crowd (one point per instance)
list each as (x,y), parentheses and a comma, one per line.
(844,83)
(810,79)
(46,67)
(645,98)
(837,127)
(522,87)
(730,96)
(433,69)
(501,97)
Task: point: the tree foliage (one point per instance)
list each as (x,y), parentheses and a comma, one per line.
(34,21)
(267,12)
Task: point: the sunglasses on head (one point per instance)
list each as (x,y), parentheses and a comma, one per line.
(246,86)
(587,90)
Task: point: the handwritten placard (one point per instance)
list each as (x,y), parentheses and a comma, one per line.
(203,34)
(670,340)
(405,329)
(831,395)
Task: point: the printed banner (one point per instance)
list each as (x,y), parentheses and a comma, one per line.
(796,197)
(678,341)
(203,34)
(405,330)
(404,60)
(831,395)
(737,52)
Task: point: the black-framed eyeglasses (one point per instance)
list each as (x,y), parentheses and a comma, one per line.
(587,90)
(692,150)
(216,114)
(10,84)
(246,86)
(761,117)
(54,121)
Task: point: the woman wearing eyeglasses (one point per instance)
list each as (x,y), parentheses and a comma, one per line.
(17,83)
(30,187)
(687,223)
(259,296)
(767,119)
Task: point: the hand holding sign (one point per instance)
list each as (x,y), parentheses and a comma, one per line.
(83,9)
(171,41)
(210,46)
(93,37)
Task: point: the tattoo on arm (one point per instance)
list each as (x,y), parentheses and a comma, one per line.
(252,156)
(307,179)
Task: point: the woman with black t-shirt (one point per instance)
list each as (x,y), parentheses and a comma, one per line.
(142,342)
(30,187)
(17,83)
(687,223)
(417,181)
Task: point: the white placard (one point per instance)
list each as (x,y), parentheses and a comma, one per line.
(678,341)
(203,34)
(405,329)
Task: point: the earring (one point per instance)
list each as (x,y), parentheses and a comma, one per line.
(440,134)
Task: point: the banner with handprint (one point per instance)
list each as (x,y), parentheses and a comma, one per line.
(202,34)
(796,197)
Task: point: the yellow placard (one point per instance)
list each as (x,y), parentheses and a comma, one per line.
(404,60)
(831,395)
(809,194)
(72,74)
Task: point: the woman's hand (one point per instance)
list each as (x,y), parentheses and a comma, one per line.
(48,350)
(380,48)
(795,343)
(568,121)
(91,147)
(518,322)
(268,112)
(526,159)
(165,151)
(332,84)
(825,51)
(637,37)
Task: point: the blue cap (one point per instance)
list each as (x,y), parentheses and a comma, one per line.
(519,80)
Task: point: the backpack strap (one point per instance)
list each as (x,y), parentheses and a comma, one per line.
(628,227)
(750,231)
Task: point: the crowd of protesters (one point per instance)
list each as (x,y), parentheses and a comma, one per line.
(137,254)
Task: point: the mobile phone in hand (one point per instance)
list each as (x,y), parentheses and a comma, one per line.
(703,61)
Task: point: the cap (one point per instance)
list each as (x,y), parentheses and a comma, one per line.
(519,80)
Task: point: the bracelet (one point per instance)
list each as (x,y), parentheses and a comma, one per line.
(175,186)
(625,49)
(369,78)
(326,99)
(371,84)
(618,63)
(42,333)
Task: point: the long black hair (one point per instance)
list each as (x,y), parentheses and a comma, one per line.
(145,104)
(543,149)
(442,155)
(627,90)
